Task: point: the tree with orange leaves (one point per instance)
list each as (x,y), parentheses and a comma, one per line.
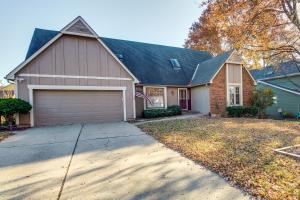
(262,30)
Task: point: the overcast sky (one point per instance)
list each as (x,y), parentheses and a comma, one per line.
(154,21)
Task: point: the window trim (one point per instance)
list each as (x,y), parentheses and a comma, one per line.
(234,84)
(165,96)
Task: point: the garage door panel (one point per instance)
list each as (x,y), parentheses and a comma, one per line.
(65,107)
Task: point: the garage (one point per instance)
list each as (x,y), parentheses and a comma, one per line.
(57,107)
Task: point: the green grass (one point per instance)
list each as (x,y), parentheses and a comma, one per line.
(239,149)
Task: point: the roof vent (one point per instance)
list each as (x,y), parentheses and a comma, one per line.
(120,56)
(175,63)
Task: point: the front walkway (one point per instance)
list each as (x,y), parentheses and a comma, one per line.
(110,161)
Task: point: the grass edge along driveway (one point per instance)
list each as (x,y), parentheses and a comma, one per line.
(238,149)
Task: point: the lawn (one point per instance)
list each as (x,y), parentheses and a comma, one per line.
(240,150)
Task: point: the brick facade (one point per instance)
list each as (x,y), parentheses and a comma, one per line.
(248,86)
(218,90)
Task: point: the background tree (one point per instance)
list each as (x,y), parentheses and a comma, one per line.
(262,30)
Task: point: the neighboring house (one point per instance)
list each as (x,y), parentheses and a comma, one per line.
(284,80)
(73,76)
(7,91)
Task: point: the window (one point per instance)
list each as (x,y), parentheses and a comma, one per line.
(175,63)
(157,97)
(234,83)
(234,95)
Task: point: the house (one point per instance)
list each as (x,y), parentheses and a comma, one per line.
(7,91)
(284,80)
(73,76)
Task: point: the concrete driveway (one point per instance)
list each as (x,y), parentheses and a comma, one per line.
(101,161)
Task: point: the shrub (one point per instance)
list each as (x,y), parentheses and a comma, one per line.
(9,107)
(262,98)
(174,110)
(287,115)
(240,111)
(170,111)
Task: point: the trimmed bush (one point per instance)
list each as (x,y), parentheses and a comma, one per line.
(170,111)
(174,110)
(240,111)
(9,107)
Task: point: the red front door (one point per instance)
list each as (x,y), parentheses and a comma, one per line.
(183,100)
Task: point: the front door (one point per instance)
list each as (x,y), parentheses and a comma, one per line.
(183,100)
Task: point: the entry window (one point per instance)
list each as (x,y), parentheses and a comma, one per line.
(157,97)
(234,95)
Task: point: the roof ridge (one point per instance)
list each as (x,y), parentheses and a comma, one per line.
(157,45)
(161,45)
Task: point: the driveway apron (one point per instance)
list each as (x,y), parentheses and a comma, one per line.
(33,162)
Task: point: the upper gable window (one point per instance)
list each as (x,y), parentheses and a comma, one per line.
(175,63)
(234,73)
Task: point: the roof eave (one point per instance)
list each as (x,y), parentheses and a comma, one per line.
(280,88)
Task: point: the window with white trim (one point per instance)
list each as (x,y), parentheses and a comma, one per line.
(234,95)
(234,83)
(157,97)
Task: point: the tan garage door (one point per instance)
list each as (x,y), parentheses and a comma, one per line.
(66,107)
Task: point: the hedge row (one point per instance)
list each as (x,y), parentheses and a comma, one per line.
(170,111)
(240,111)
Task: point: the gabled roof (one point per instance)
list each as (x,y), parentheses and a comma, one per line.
(206,70)
(150,63)
(39,45)
(269,72)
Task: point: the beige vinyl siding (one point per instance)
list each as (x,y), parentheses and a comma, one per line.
(65,107)
(75,56)
(234,73)
(200,99)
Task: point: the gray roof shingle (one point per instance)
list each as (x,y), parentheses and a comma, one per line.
(151,63)
(207,69)
(40,38)
(283,69)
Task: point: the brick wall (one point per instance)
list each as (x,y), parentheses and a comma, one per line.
(248,86)
(217,91)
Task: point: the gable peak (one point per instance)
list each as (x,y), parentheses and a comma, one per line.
(79,26)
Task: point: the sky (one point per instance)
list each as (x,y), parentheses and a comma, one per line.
(164,22)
